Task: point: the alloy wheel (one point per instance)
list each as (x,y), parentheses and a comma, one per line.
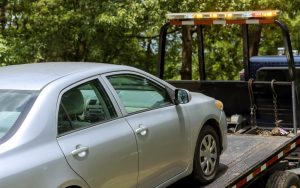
(208,154)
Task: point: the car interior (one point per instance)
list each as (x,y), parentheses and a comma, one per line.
(85,105)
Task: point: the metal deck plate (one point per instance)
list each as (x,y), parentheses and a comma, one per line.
(242,153)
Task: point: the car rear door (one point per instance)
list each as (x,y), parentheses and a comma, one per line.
(162,129)
(96,140)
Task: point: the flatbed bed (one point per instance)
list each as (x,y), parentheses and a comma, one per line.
(243,153)
(248,151)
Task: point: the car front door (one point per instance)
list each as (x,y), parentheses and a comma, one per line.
(162,128)
(96,140)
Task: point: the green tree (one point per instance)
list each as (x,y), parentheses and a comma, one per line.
(126,32)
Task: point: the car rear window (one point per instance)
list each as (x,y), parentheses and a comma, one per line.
(14,107)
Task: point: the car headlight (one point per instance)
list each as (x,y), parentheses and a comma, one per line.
(219,104)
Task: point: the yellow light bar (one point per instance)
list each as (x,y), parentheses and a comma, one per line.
(213,15)
(247,14)
(198,16)
(267,14)
(229,15)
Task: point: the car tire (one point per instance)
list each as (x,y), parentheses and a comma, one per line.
(283,179)
(207,152)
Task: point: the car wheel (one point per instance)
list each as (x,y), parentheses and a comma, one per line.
(207,155)
(283,179)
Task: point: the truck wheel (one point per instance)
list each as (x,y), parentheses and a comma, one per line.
(283,179)
(207,155)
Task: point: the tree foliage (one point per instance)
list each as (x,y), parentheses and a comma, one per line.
(126,32)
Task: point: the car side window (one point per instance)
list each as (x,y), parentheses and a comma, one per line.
(83,105)
(138,93)
(63,124)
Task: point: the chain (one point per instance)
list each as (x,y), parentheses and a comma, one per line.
(275,107)
(253,107)
(251,114)
(274,101)
(254,114)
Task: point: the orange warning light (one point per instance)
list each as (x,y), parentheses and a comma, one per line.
(213,15)
(229,15)
(198,15)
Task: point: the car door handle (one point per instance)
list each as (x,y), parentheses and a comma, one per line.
(79,150)
(141,129)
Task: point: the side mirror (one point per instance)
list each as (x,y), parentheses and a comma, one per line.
(182,96)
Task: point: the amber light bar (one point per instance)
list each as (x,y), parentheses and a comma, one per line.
(247,14)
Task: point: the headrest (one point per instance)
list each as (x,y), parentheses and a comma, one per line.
(73,101)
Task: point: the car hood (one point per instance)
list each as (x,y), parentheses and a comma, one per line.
(200,95)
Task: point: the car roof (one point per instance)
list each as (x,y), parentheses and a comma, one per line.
(37,75)
(272,59)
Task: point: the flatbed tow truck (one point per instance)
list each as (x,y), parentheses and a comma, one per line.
(251,106)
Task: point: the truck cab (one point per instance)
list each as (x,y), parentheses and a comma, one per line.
(266,68)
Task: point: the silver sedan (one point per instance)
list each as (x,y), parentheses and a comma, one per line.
(80,125)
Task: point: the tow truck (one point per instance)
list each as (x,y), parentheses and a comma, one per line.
(262,115)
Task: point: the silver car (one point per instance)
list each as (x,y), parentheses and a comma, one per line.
(95,125)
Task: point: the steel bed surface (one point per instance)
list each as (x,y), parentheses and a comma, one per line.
(243,153)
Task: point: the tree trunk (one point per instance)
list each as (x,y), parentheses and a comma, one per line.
(254,39)
(3,16)
(148,54)
(187,50)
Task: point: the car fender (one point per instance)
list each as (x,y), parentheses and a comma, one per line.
(201,109)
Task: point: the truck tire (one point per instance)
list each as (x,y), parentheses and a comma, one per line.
(207,155)
(283,179)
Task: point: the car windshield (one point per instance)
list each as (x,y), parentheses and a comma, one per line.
(14,106)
